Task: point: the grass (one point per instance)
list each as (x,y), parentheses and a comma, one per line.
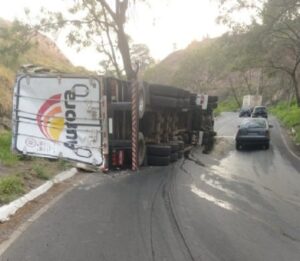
(64,165)
(226,105)
(289,116)
(10,188)
(7,158)
(40,172)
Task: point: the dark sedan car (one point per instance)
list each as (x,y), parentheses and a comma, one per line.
(260,111)
(253,132)
(245,112)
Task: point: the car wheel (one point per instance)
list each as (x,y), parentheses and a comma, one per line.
(238,146)
(267,146)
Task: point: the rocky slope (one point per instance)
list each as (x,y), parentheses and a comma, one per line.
(43,52)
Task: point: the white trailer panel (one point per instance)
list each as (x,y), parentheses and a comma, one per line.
(58,117)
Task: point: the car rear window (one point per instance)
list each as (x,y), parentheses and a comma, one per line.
(253,123)
(260,109)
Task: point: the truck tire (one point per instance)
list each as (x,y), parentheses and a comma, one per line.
(186,102)
(158,160)
(142,149)
(163,90)
(180,103)
(174,146)
(161,101)
(181,144)
(180,154)
(174,156)
(158,150)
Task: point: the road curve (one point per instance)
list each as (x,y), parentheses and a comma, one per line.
(229,205)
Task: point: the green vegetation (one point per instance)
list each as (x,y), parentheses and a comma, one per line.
(64,165)
(6,157)
(226,105)
(289,116)
(41,172)
(20,44)
(10,188)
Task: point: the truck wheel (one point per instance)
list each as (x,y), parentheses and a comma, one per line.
(181,144)
(142,149)
(174,146)
(174,157)
(161,101)
(163,90)
(158,150)
(158,160)
(180,154)
(142,101)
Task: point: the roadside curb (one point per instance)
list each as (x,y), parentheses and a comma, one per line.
(10,209)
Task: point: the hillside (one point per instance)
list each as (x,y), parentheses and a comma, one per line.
(221,66)
(42,52)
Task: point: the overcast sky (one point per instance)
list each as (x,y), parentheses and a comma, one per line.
(162,26)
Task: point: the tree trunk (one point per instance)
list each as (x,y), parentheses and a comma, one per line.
(296,89)
(234,93)
(113,53)
(124,49)
(248,85)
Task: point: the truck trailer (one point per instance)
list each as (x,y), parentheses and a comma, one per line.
(88,119)
(250,101)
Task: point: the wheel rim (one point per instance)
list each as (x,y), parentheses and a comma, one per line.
(141,104)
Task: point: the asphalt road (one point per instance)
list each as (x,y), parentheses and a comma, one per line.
(229,205)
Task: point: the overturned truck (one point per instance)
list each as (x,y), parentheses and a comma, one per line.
(88,119)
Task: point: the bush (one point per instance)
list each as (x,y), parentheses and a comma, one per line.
(10,188)
(6,156)
(226,106)
(289,116)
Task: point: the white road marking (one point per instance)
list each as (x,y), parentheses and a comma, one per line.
(226,137)
(212,199)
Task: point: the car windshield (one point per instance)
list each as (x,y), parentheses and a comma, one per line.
(253,124)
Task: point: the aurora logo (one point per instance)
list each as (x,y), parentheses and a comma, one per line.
(50,119)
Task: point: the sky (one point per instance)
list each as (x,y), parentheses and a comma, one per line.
(164,25)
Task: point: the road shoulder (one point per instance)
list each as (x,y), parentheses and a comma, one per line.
(291,146)
(26,215)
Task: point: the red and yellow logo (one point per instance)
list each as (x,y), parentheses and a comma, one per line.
(50,119)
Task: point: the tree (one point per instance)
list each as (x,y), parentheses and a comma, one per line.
(98,23)
(277,24)
(282,21)
(15,40)
(140,55)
